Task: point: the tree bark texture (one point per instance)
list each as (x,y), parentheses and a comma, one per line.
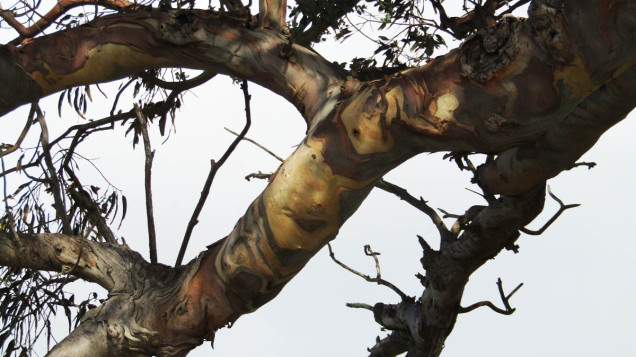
(538,92)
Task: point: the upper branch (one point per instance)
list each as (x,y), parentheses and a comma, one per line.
(120,45)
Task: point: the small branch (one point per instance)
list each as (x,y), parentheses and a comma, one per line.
(152,235)
(258,175)
(213,170)
(259,145)
(378,279)
(420,204)
(359,305)
(11,148)
(590,165)
(8,209)
(56,188)
(182,85)
(562,209)
(508,310)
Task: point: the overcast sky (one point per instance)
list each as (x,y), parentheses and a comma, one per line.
(578,293)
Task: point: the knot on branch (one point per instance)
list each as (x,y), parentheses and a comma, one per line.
(549,29)
(181,28)
(490,49)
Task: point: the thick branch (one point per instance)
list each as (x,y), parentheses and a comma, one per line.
(195,39)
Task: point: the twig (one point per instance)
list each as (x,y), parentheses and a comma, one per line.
(150,155)
(259,145)
(56,188)
(562,209)
(7,209)
(213,170)
(181,85)
(378,279)
(11,148)
(258,175)
(590,165)
(508,310)
(420,204)
(359,305)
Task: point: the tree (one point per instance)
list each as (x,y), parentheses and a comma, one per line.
(530,95)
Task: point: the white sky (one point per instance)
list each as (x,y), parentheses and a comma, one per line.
(578,282)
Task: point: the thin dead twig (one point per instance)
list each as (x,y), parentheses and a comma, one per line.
(562,209)
(378,279)
(52,178)
(507,310)
(259,145)
(213,170)
(150,155)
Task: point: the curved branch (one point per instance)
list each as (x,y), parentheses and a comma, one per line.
(562,208)
(60,8)
(378,279)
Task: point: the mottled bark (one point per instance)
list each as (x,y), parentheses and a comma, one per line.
(121,45)
(521,87)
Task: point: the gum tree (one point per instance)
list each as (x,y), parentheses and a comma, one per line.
(532,95)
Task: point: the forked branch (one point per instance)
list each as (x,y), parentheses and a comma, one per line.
(507,310)
(378,278)
(562,208)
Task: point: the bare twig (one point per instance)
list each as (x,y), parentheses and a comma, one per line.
(11,148)
(8,210)
(590,165)
(359,305)
(258,175)
(149,154)
(508,310)
(420,204)
(52,178)
(213,170)
(259,145)
(562,209)
(378,279)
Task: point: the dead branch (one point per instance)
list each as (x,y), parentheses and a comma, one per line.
(51,173)
(258,175)
(213,170)
(507,310)
(150,155)
(378,279)
(590,165)
(259,145)
(562,209)
(7,148)
(359,305)
(420,204)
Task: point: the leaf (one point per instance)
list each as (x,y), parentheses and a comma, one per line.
(124,203)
